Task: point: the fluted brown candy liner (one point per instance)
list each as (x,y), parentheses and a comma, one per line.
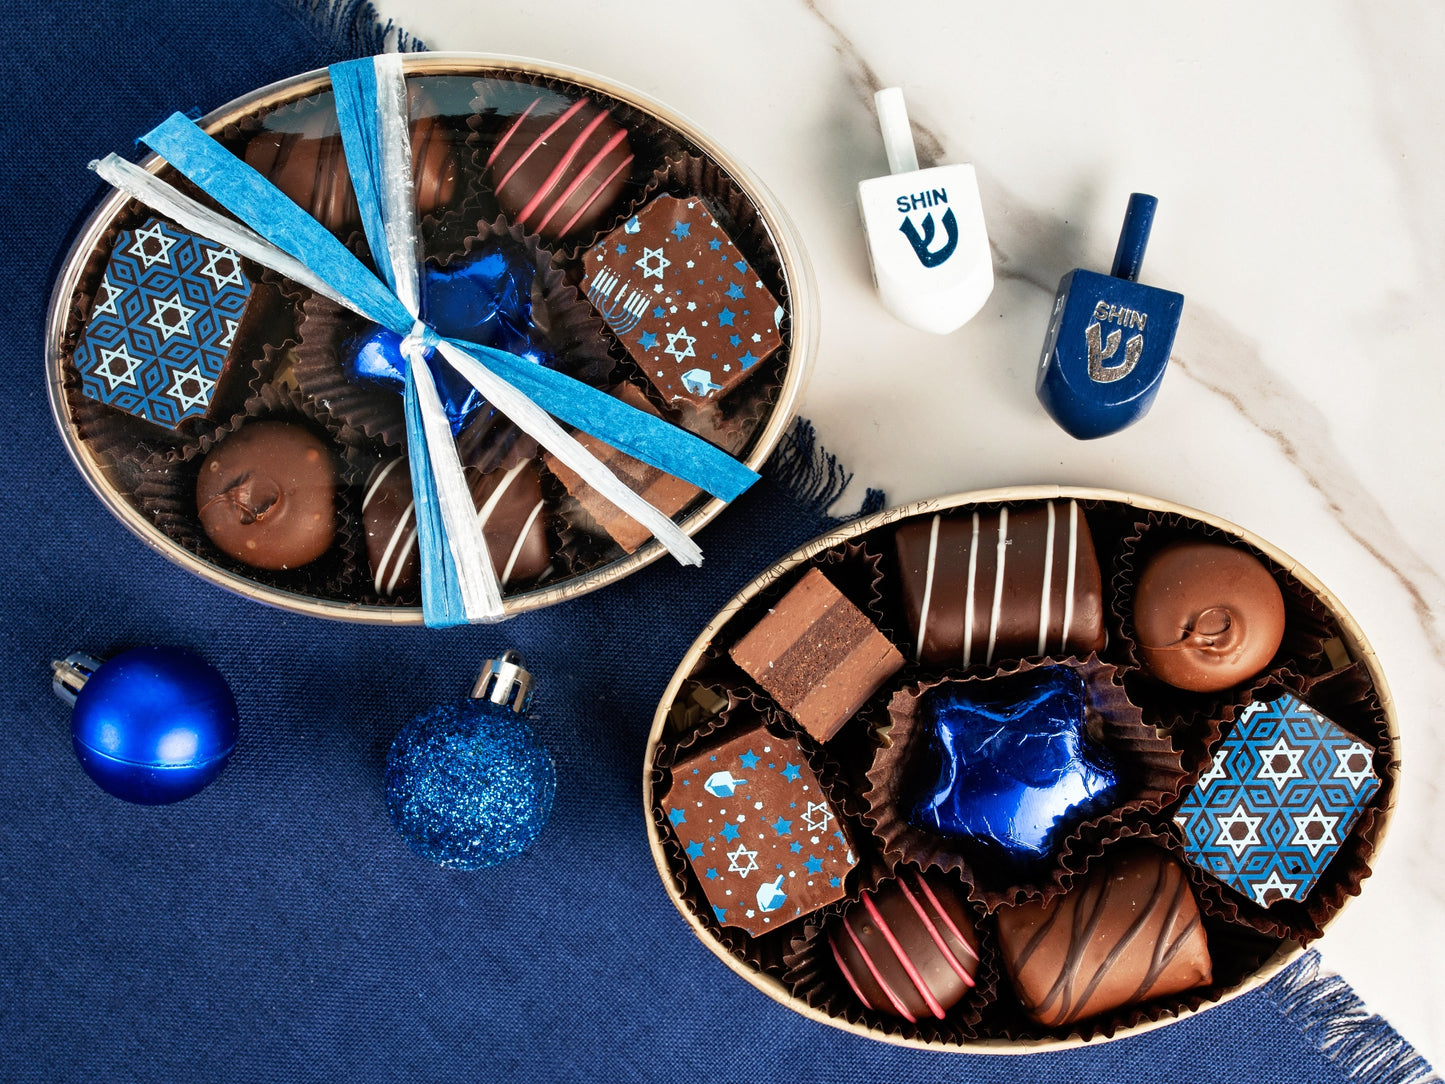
(1307,625)
(1150,777)
(501,97)
(1348,698)
(1236,951)
(812,975)
(573,331)
(164,489)
(763,952)
(266,329)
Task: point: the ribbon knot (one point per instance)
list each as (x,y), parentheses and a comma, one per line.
(459,583)
(419,343)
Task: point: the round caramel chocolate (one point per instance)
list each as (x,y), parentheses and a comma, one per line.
(1207,616)
(266,495)
(909,948)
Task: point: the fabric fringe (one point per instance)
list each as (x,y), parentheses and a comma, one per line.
(813,477)
(1331,1015)
(354,28)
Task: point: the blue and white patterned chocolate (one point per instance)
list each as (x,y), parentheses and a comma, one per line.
(762,837)
(487,299)
(1284,789)
(682,299)
(1008,762)
(163,323)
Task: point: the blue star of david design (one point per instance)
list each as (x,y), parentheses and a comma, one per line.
(685,350)
(742,861)
(653,263)
(152,245)
(223,268)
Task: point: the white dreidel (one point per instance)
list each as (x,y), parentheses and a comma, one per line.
(927,242)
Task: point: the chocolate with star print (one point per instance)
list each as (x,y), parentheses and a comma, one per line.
(1284,789)
(762,837)
(682,299)
(163,326)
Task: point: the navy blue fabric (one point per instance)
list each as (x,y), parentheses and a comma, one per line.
(273,928)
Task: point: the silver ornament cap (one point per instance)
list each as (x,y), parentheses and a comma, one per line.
(505,681)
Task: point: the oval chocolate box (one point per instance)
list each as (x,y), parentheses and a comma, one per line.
(161,344)
(1020,770)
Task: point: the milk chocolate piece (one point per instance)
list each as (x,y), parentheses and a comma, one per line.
(909,948)
(557,173)
(307,163)
(763,839)
(667,494)
(1207,616)
(266,495)
(818,655)
(1128,932)
(682,299)
(1002,584)
(510,509)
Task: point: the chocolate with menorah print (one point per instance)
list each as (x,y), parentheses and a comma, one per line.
(682,299)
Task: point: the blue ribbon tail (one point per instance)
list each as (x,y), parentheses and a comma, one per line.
(354,83)
(441,591)
(651,439)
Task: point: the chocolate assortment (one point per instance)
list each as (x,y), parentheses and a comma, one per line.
(176,347)
(1020,781)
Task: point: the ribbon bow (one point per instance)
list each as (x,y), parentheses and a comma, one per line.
(458,582)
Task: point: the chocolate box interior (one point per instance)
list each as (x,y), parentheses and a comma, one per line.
(477,212)
(1163,737)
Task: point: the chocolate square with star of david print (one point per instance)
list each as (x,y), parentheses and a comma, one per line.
(163,324)
(1284,789)
(682,299)
(762,837)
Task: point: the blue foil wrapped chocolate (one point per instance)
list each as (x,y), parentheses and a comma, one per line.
(1282,792)
(485,298)
(1008,761)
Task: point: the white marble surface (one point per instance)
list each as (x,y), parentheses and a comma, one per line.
(1296,151)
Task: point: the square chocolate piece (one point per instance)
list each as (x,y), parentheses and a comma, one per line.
(818,655)
(762,837)
(1001,584)
(1127,932)
(682,299)
(667,494)
(1284,789)
(164,322)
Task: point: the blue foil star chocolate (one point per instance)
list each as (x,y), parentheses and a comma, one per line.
(682,300)
(763,839)
(1284,789)
(1008,761)
(163,324)
(487,299)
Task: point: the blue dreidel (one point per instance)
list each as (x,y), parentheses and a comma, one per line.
(1109,338)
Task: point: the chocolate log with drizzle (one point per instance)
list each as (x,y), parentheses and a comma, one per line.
(1130,931)
(1002,584)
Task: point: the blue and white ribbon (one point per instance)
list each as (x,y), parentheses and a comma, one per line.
(458,581)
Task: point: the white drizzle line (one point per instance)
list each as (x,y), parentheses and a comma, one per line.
(521,539)
(927,586)
(396,536)
(997,584)
(1048,584)
(968,598)
(377,480)
(1073,567)
(484,513)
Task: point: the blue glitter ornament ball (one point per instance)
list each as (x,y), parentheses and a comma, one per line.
(153,725)
(468,784)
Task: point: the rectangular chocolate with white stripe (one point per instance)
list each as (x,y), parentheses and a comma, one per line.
(817,655)
(1005,584)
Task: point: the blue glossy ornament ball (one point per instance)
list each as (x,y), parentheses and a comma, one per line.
(468,784)
(154,725)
